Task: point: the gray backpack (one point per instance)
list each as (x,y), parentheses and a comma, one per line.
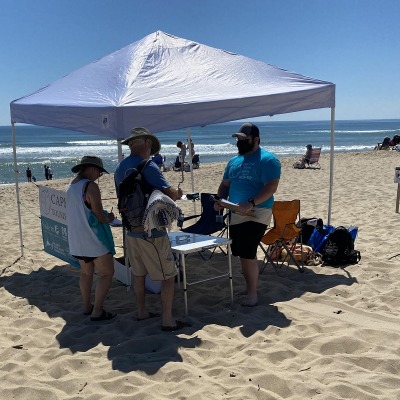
(339,249)
(133,195)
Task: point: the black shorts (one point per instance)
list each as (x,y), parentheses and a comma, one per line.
(86,259)
(245,239)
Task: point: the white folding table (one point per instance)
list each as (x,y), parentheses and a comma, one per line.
(186,243)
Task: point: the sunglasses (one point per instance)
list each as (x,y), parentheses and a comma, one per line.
(137,141)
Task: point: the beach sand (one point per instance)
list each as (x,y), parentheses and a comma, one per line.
(329,333)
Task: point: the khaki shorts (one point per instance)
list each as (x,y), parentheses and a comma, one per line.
(151,256)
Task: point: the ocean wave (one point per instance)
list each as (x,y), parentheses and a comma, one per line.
(205,150)
(387,132)
(59,152)
(92,142)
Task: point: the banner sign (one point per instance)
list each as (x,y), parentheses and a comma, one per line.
(53,211)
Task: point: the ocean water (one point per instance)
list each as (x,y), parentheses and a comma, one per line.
(61,149)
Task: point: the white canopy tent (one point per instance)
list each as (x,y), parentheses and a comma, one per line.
(164,82)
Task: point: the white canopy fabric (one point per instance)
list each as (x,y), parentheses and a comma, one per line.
(164,82)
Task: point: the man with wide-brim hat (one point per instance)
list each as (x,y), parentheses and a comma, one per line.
(139,136)
(150,255)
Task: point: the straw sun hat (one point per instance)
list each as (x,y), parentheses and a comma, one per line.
(143,133)
(89,161)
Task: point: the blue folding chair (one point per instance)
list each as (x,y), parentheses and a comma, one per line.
(209,222)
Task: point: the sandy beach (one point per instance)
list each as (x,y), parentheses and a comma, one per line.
(329,333)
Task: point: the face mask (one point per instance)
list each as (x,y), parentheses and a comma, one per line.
(244,146)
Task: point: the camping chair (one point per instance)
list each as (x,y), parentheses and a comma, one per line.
(282,237)
(209,222)
(314,158)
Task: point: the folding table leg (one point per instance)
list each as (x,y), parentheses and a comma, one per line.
(184,284)
(178,263)
(230,272)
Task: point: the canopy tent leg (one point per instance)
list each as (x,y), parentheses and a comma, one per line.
(16,172)
(332,156)
(119,147)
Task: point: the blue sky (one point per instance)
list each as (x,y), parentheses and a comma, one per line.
(353,43)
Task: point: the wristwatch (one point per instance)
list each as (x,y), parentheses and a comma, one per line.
(251,200)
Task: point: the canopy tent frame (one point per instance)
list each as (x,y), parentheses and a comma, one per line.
(164,83)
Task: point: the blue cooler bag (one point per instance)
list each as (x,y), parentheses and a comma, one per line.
(319,237)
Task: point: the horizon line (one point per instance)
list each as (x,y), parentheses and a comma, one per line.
(236,122)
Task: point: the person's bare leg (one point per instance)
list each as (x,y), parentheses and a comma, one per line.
(167,297)
(105,268)
(250,273)
(85,284)
(139,289)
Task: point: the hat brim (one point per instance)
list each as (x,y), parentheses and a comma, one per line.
(239,134)
(155,147)
(78,167)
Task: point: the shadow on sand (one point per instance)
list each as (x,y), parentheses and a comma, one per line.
(135,345)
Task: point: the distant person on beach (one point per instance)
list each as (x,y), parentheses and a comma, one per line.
(29,174)
(384,145)
(395,141)
(150,255)
(89,235)
(50,173)
(182,153)
(307,156)
(305,159)
(250,180)
(46,172)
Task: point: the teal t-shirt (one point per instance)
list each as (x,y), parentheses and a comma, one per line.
(249,173)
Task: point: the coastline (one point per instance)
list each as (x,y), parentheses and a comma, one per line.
(61,149)
(327,333)
(290,157)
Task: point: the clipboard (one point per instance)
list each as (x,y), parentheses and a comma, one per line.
(231,206)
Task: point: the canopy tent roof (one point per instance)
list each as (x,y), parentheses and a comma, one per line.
(164,82)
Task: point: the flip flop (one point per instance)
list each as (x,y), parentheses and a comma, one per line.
(249,305)
(151,315)
(105,316)
(89,312)
(179,325)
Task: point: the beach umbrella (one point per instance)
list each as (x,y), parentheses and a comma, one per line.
(164,82)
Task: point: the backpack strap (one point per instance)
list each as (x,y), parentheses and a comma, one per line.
(84,190)
(140,168)
(142,165)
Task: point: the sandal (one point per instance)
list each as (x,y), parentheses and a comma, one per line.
(89,312)
(250,304)
(179,325)
(105,316)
